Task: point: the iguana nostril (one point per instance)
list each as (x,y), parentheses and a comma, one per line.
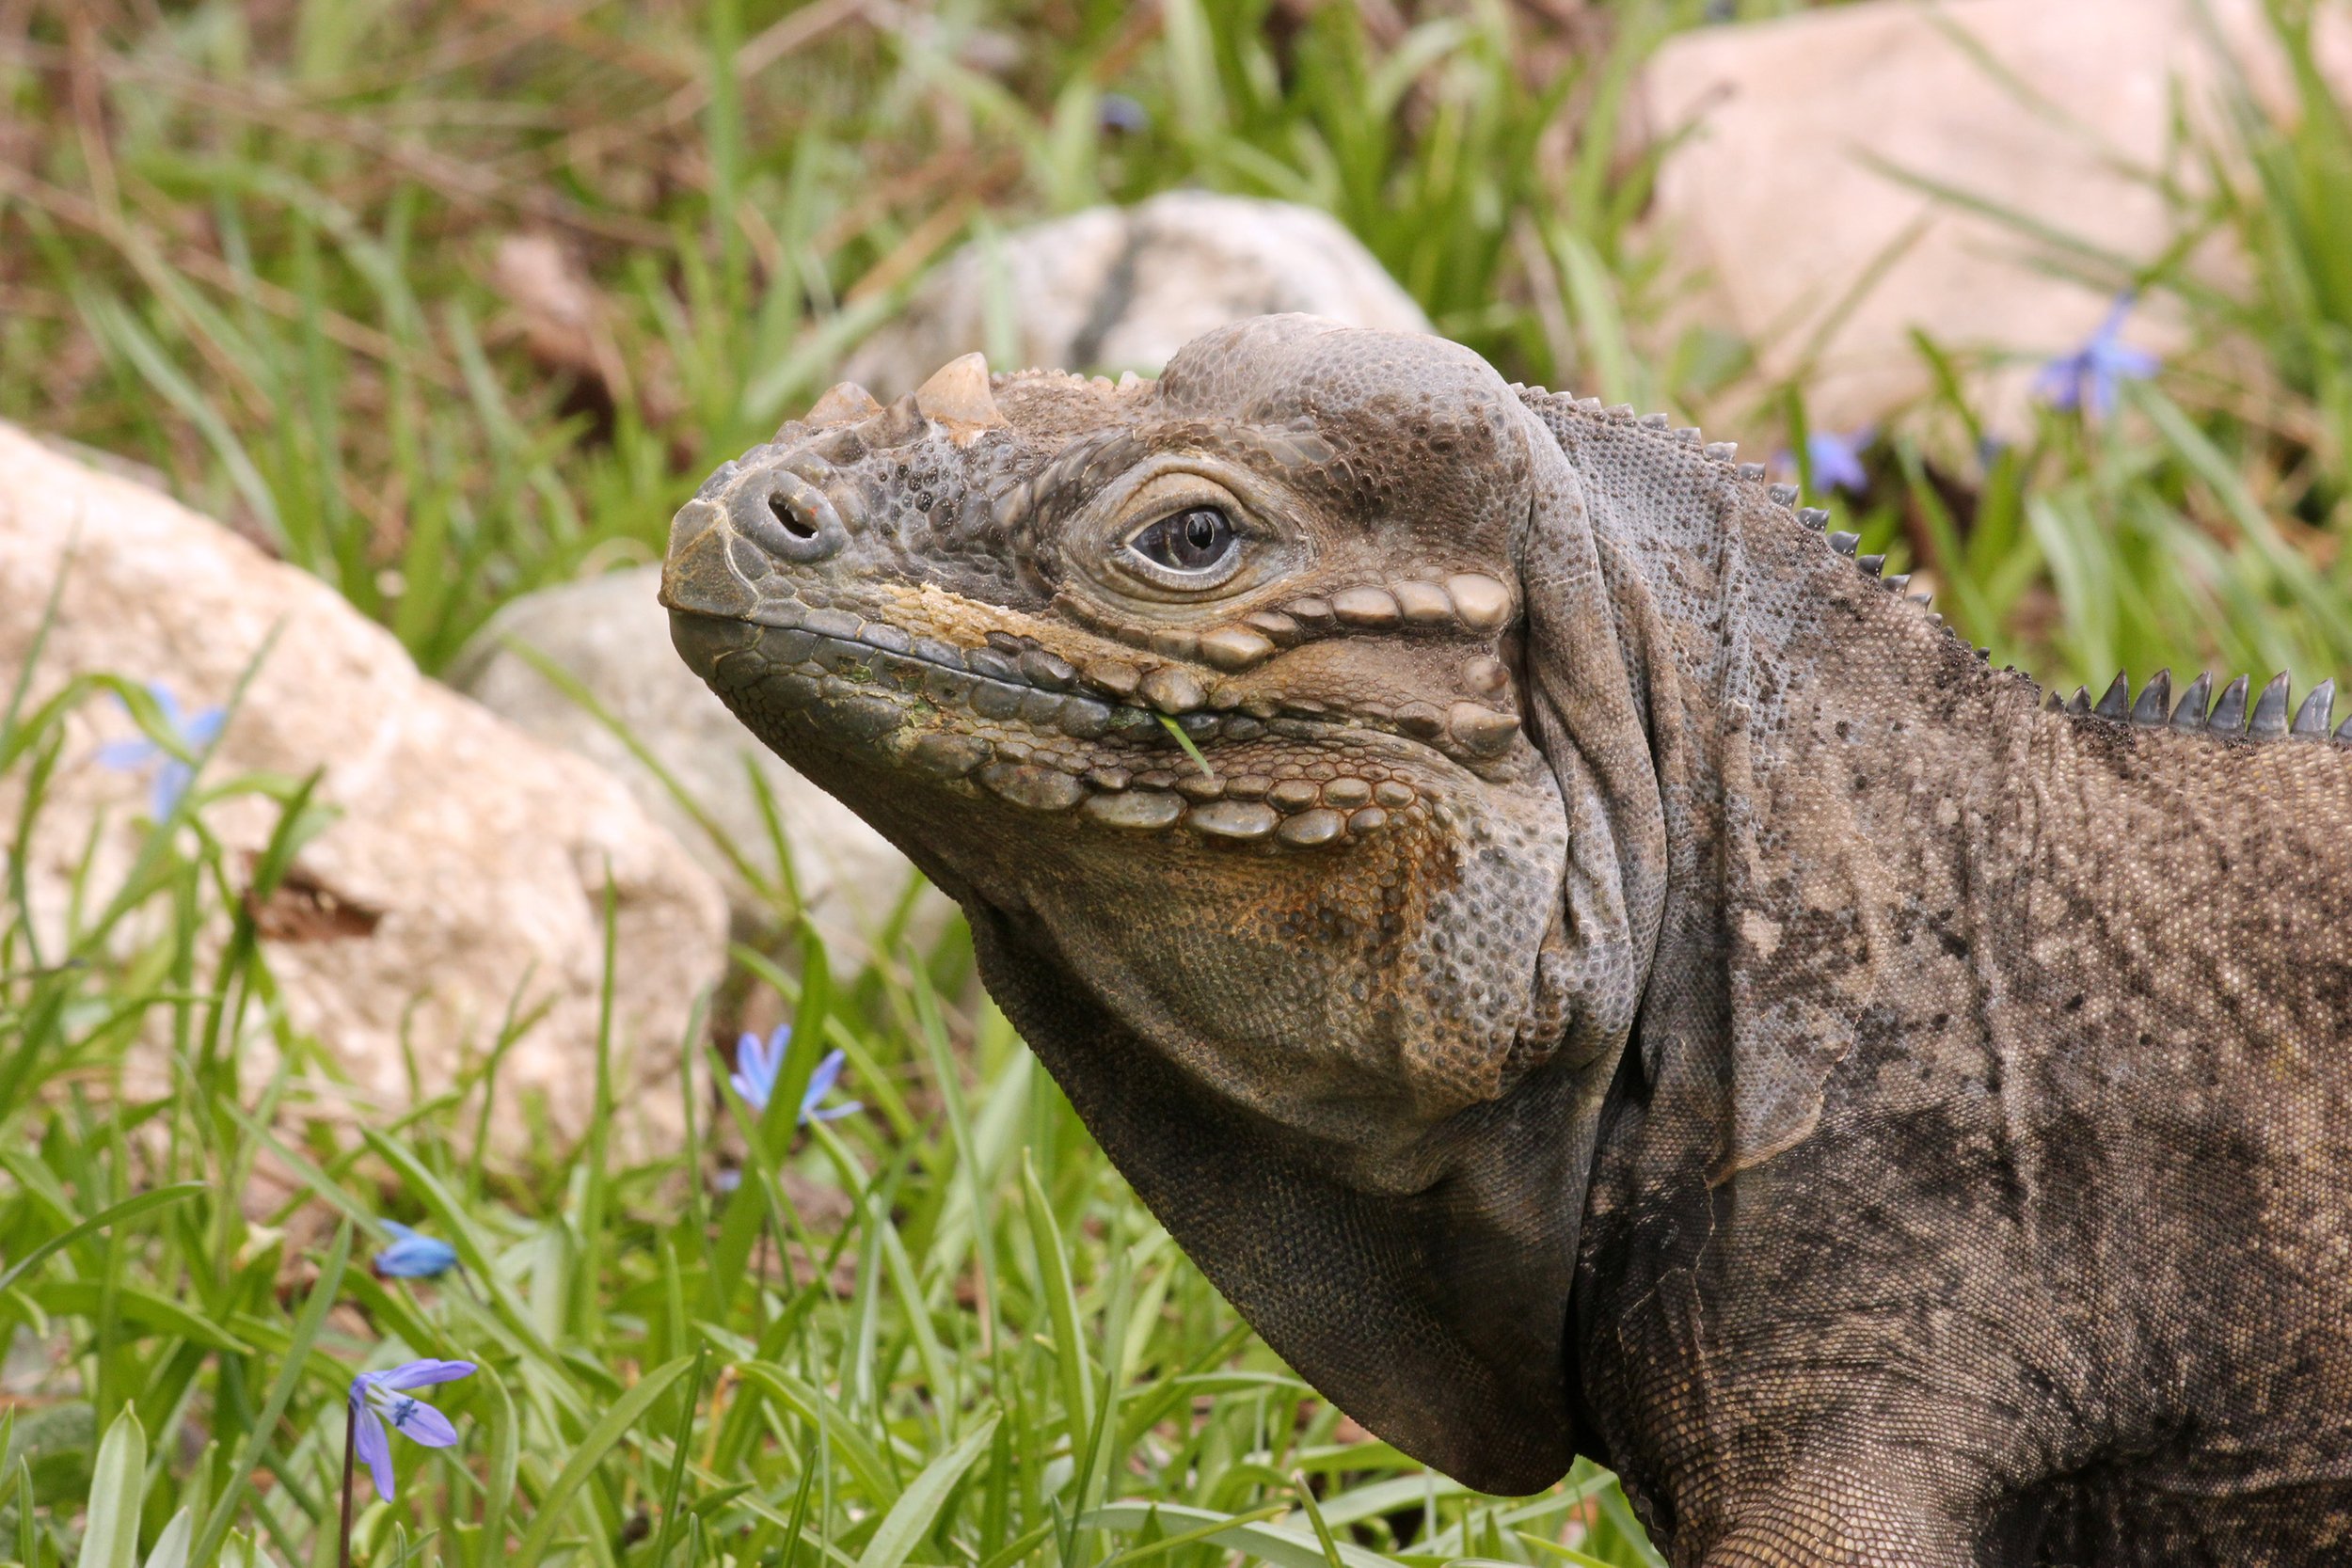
(795,524)
(786,517)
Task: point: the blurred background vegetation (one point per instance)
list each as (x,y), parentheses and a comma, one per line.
(252,247)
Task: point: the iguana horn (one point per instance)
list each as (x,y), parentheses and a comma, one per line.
(958,393)
(843,402)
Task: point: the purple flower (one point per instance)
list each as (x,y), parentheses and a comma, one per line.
(380,1397)
(755,1076)
(1835,460)
(414,1257)
(2087,379)
(173,776)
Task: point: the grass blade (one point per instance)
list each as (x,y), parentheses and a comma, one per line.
(171,1546)
(129,1208)
(599,1440)
(118,1486)
(258,1437)
(910,1518)
(1284,1547)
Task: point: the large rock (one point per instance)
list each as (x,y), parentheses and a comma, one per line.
(1116,288)
(610,635)
(1787,195)
(466,874)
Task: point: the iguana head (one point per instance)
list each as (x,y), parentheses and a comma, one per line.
(1217,702)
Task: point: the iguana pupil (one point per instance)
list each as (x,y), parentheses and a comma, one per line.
(1193,541)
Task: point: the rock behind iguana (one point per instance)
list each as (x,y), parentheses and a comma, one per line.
(1628,980)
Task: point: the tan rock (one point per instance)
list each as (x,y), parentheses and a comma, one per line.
(466,873)
(1116,288)
(1786,196)
(610,635)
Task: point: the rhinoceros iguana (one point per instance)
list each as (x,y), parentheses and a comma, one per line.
(1624,980)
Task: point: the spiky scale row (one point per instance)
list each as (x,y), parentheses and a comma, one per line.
(1781,494)
(2195,702)
(2318,707)
(2268,720)
(2262,718)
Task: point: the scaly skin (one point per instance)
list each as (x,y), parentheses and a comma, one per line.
(1632,983)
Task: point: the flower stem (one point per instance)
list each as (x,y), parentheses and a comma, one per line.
(351,1447)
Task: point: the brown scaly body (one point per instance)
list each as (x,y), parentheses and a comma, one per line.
(1631,981)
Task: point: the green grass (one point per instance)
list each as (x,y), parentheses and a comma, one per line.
(941,1331)
(250,244)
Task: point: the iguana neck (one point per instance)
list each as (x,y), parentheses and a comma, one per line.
(1813,732)
(1854,795)
(1948,983)
(1859,809)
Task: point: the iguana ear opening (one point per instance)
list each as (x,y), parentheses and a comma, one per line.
(1436,1319)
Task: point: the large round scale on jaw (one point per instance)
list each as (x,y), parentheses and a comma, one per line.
(1247,820)
(1367,609)
(1144,809)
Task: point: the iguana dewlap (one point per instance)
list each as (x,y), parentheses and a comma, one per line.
(1625,980)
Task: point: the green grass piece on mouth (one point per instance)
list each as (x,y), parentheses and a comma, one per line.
(1190,750)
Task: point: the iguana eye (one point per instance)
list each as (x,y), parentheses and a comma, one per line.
(1193,548)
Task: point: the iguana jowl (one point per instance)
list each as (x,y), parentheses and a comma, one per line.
(1627,981)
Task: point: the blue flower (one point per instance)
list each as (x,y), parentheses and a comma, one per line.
(758,1064)
(1835,460)
(1838,459)
(414,1257)
(173,776)
(820,1084)
(2087,379)
(1121,114)
(380,1397)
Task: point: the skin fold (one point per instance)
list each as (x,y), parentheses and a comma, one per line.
(1627,980)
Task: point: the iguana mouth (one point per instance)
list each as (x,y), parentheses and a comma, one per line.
(1006,718)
